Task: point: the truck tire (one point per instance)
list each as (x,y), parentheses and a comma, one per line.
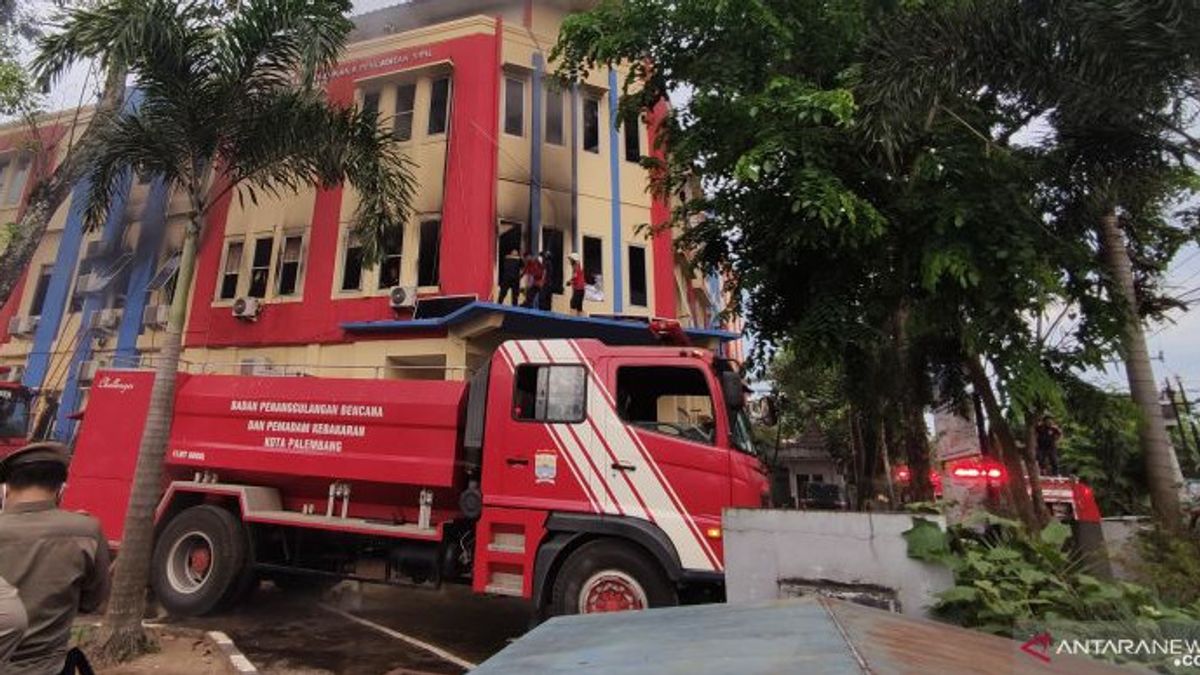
(199,558)
(609,576)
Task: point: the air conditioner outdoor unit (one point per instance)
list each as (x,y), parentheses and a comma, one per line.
(22,326)
(258,366)
(97,249)
(87,370)
(156,316)
(106,320)
(247,309)
(14,373)
(403,297)
(90,282)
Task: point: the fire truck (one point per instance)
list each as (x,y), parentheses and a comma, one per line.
(15,404)
(580,476)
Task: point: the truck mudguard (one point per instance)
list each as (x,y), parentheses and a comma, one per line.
(565,528)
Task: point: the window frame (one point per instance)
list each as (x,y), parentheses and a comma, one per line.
(21,166)
(719,431)
(445,118)
(256,238)
(583,407)
(349,242)
(509,80)
(385,257)
(277,287)
(237,284)
(410,114)
(421,223)
(589,100)
(645,274)
(553,93)
(632,131)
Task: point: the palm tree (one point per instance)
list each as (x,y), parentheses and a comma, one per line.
(231,102)
(1115,83)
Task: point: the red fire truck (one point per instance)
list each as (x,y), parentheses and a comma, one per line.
(15,401)
(581,476)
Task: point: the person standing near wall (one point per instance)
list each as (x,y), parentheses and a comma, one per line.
(578,285)
(57,560)
(537,277)
(510,276)
(546,295)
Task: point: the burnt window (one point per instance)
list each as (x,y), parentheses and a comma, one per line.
(554,115)
(593,259)
(591,125)
(552,242)
(232,270)
(288,275)
(402,122)
(429,256)
(389,264)
(669,400)
(352,264)
(633,142)
(545,393)
(39,291)
(260,266)
(637,276)
(514,106)
(439,106)
(371,102)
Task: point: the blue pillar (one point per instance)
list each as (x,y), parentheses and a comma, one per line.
(55,303)
(145,260)
(114,229)
(535,156)
(614,162)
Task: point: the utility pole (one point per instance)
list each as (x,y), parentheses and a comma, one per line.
(1183,437)
(1187,408)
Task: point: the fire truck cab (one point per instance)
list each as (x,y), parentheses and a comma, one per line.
(580,476)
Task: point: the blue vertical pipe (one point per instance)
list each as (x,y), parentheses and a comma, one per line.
(614,163)
(535,156)
(145,259)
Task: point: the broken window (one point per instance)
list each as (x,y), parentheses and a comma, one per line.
(669,400)
(591,125)
(546,393)
(514,106)
(260,266)
(402,122)
(633,142)
(554,115)
(637,276)
(593,259)
(39,291)
(429,255)
(393,251)
(352,260)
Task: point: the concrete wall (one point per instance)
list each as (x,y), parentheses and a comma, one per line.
(857,556)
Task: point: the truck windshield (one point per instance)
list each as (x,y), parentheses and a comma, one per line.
(741,434)
(14,413)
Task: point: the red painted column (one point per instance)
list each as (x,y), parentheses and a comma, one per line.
(662,242)
(469,194)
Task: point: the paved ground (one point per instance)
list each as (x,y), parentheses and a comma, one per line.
(296,632)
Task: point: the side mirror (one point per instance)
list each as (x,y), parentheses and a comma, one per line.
(733,390)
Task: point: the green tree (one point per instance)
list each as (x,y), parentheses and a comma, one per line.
(1114,84)
(911,265)
(231,103)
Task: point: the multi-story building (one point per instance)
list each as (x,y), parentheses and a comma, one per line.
(505,156)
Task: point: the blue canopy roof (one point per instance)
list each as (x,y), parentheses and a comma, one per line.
(524,321)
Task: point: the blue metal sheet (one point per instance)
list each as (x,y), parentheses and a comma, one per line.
(774,637)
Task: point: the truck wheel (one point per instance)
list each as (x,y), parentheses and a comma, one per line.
(198,561)
(609,576)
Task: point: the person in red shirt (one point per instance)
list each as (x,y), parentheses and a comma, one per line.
(537,278)
(578,283)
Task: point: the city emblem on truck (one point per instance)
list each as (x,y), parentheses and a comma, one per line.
(545,467)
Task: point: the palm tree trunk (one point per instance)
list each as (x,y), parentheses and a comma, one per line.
(50,192)
(1162,465)
(122,636)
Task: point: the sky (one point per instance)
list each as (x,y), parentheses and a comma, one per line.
(1173,344)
